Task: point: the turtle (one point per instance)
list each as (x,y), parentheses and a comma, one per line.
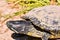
(42,22)
(27,28)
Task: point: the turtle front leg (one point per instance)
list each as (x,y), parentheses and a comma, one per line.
(45,36)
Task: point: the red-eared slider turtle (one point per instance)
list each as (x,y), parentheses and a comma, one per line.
(40,22)
(27,28)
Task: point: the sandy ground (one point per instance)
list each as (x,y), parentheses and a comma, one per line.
(5,33)
(6,8)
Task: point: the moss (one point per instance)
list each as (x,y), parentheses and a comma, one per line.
(30,4)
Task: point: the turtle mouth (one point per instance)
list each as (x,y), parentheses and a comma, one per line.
(14,30)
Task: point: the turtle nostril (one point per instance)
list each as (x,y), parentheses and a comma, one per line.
(9,25)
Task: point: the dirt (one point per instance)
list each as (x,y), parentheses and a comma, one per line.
(5,33)
(6,8)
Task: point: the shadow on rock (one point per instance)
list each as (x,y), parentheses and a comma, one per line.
(26,37)
(23,37)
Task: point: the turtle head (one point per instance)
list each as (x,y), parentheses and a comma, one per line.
(19,26)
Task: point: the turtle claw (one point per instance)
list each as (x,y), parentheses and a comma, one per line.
(45,36)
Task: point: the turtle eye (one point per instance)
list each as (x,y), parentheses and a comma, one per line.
(27,19)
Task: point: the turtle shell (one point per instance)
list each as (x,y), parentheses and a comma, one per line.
(47,17)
